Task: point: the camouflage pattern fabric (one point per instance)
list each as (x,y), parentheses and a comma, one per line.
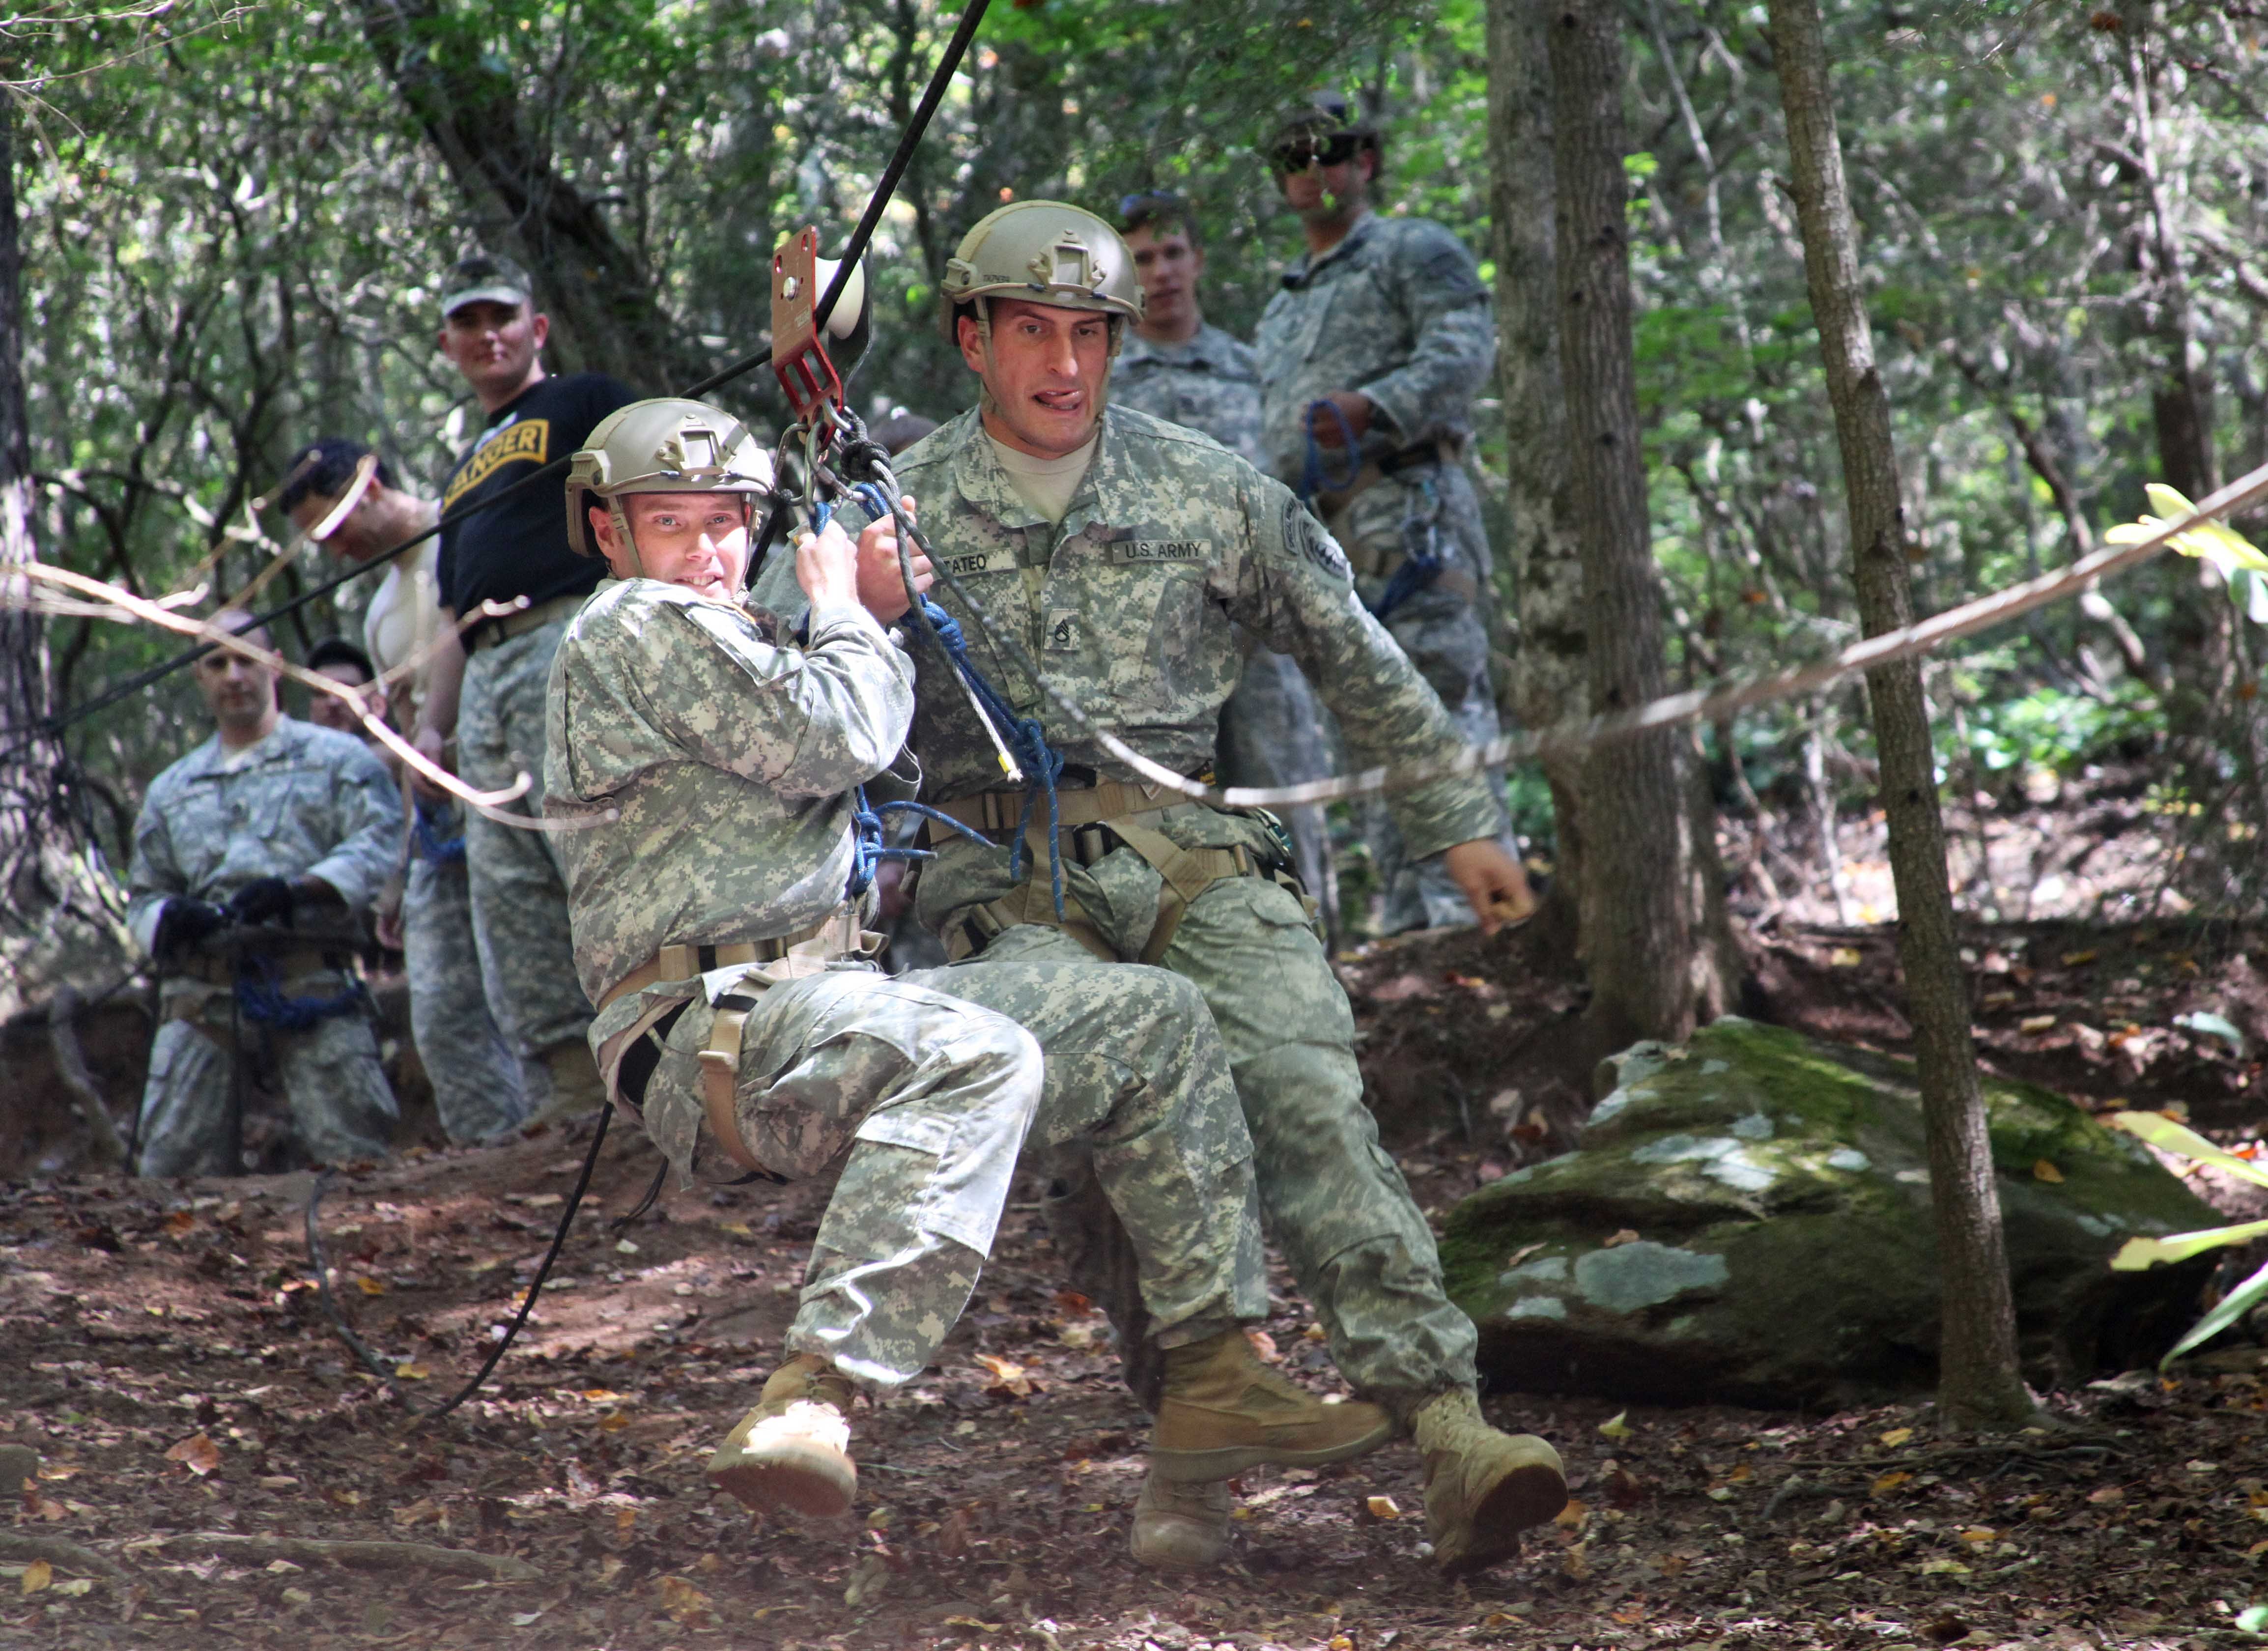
(731,824)
(1128,607)
(931,1094)
(330,1078)
(1211,382)
(478,1085)
(518,889)
(1272,732)
(1397,311)
(304,801)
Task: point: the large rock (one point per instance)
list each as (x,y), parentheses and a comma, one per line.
(1778,1191)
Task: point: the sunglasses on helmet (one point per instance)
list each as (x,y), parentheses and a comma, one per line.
(1299,154)
(1151,204)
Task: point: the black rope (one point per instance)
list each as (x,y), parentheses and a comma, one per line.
(652,1192)
(535,1286)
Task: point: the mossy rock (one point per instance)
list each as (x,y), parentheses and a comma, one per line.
(1784,1250)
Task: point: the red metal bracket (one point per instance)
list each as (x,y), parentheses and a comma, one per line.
(806,377)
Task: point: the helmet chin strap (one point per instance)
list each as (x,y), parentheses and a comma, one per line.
(622,521)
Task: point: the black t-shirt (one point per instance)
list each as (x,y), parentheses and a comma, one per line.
(519,547)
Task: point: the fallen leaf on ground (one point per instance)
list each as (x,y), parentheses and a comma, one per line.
(2032,1024)
(1896,1437)
(1264,1346)
(2043,1170)
(1381,1507)
(682,1600)
(1627,1235)
(1008,1377)
(1572,1516)
(198,1453)
(2106,1494)
(37,1575)
(412,1372)
(1615,1427)
(1890,1481)
(1845,957)
(370,1286)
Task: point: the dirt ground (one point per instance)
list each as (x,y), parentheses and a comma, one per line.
(167,1356)
(194,1413)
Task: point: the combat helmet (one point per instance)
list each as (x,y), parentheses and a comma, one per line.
(1044,252)
(665,445)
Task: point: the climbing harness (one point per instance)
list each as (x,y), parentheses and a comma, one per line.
(260,1000)
(1422,562)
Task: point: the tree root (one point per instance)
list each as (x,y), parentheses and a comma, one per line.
(58,1550)
(399,1556)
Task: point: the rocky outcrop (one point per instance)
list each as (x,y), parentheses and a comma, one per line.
(1748,1219)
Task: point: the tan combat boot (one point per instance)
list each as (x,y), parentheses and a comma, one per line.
(1483,1487)
(1180,1527)
(792,1449)
(1223,1410)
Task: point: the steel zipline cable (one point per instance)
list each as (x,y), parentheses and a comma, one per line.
(854,249)
(955,49)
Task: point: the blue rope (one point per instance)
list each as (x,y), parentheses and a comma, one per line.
(431,844)
(1025,738)
(259,998)
(870,838)
(1418,570)
(1314,479)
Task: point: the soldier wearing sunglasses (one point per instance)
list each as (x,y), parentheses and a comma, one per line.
(1370,355)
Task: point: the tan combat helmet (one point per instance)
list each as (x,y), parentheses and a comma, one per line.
(1043,252)
(667,446)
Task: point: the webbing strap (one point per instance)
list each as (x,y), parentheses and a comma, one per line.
(720,1074)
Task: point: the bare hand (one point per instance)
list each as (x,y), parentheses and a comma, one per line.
(1493,883)
(434,749)
(827,567)
(881,583)
(387,917)
(1354,407)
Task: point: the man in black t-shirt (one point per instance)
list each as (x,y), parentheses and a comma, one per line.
(488,695)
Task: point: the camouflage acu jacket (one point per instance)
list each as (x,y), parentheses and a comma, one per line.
(1211,383)
(1396,311)
(727,762)
(309,802)
(1128,607)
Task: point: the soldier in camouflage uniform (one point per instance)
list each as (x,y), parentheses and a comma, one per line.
(1382,331)
(1120,551)
(269,823)
(1178,366)
(712,775)
(341,493)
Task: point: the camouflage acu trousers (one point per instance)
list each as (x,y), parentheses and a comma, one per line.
(1332,1197)
(932,1096)
(1273,732)
(342,1106)
(477,1087)
(1443,633)
(520,893)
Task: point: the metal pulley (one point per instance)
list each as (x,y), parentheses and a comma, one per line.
(806,377)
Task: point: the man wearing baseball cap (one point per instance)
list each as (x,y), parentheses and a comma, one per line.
(516,551)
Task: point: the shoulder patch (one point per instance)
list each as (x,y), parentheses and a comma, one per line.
(1305,537)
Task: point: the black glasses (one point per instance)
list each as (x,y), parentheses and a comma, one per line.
(1302,152)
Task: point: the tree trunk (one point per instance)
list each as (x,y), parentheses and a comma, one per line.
(1549,673)
(1979,1384)
(1656,937)
(605,317)
(56,922)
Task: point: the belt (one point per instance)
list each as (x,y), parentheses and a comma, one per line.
(490,632)
(993,811)
(1183,873)
(683,963)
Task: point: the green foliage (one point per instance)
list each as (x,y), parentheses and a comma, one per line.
(2139,1253)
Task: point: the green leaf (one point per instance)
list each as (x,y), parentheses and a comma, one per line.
(2163,1133)
(2233,1307)
(2137,1254)
(2214,1025)
(2253,1618)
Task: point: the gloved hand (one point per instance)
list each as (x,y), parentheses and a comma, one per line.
(182,924)
(261,899)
